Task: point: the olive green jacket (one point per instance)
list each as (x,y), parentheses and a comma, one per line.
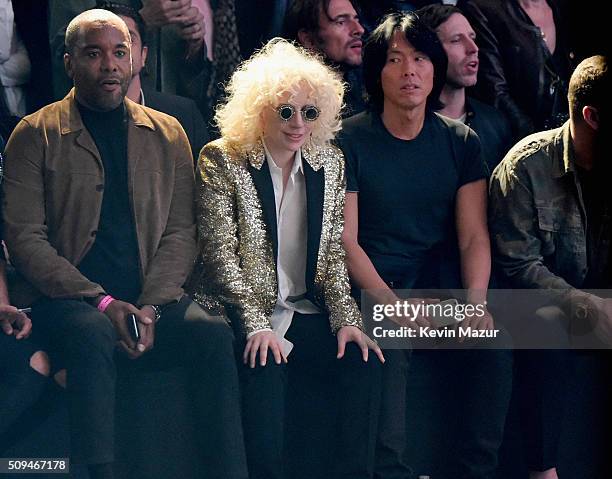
(537,217)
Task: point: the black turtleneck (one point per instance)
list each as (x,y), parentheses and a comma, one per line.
(113,261)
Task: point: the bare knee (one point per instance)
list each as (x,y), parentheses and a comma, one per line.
(39,362)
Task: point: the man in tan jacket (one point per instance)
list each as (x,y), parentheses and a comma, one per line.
(99,220)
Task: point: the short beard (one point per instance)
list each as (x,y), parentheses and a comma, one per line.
(455,85)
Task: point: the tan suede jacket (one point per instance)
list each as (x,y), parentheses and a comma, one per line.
(54,181)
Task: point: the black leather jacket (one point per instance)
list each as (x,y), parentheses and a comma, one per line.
(517,73)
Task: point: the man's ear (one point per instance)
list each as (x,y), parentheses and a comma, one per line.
(307,39)
(68,65)
(143,55)
(591,117)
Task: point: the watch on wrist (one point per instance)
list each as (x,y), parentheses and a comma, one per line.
(157,311)
(583,310)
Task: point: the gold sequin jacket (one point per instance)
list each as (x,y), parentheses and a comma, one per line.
(238,237)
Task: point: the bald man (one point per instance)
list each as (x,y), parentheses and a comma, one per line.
(99,220)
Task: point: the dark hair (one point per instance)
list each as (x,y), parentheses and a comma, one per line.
(421,37)
(126,11)
(589,86)
(304,15)
(436,14)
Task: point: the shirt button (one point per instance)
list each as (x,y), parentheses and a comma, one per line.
(99,187)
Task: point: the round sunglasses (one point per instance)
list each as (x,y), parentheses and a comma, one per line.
(287,111)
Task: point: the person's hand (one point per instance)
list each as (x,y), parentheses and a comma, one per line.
(14,322)
(147,331)
(421,319)
(602,319)
(352,334)
(260,342)
(157,13)
(118,312)
(192,27)
(477,322)
(411,320)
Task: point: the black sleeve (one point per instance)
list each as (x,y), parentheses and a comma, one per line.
(473,167)
(352,184)
(200,134)
(352,166)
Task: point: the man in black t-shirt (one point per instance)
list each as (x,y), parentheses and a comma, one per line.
(459,42)
(415,217)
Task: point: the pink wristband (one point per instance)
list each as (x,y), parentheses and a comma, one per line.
(104,302)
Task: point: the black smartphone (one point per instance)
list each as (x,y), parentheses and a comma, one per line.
(132,324)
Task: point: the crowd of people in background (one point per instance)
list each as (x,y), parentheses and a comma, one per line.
(212,184)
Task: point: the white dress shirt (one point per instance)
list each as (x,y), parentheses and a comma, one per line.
(292,232)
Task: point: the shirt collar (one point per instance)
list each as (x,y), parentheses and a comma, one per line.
(563,156)
(297,163)
(313,155)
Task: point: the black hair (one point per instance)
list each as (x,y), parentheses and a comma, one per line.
(436,14)
(421,37)
(589,86)
(126,11)
(304,15)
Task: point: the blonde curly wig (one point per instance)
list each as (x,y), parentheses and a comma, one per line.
(259,82)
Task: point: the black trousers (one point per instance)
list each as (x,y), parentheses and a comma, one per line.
(391,435)
(84,340)
(312,364)
(463,398)
(543,382)
(20,385)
